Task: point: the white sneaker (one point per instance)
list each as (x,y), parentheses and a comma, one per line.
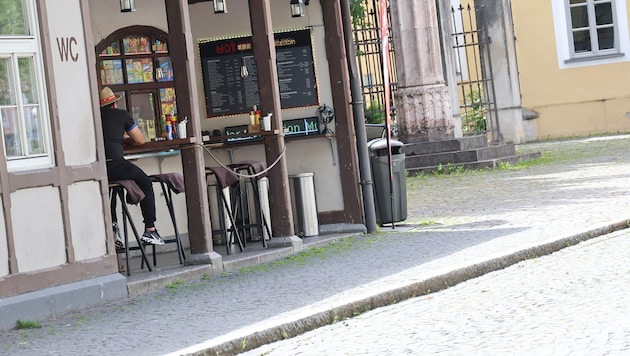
(118,239)
(152,238)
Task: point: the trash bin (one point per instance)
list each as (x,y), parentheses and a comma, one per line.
(389,208)
(304,204)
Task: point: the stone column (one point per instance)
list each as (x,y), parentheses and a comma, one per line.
(496,17)
(423,102)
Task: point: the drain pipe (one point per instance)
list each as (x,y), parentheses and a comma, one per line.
(359,121)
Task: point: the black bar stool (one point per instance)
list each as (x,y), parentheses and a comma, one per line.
(225,178)
(252,170)
(171,182)
(117,192)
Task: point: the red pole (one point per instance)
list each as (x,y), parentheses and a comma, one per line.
(384,31)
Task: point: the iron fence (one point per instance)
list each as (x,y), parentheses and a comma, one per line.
(367,41)
(477,98)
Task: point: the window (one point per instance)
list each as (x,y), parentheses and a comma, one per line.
(135,63)
(25,126)
(591,32)
(593,27)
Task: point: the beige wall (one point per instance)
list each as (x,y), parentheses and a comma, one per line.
(574,101)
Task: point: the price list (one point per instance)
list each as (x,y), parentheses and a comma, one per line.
(228,92)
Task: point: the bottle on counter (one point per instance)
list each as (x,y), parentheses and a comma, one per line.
(163,126)
(256,115)
(266,126)
(174,126)
(169,129)
(150,124)
(252,118)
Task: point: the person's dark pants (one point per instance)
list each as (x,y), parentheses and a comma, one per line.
(125,170)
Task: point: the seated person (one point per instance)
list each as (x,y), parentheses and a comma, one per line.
(119,128)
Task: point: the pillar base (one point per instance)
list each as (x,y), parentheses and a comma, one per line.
(208,258)
(286,241)
(424,114)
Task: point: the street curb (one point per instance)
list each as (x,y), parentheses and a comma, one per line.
(250,340)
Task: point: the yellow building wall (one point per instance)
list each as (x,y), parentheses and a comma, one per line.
(587,100)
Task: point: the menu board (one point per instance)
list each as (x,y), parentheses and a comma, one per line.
(228,92)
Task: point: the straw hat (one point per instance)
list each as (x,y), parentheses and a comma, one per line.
(107,97)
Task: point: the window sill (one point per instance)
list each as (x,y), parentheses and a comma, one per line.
(594,57)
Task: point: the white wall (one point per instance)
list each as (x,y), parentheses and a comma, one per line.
(38,228)
(4,252)
(107,18)
(76,118)
(86,222)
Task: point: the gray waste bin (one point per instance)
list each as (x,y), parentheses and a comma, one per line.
(392,207)
(304,204)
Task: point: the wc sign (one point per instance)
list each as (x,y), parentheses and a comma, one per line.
(67,47)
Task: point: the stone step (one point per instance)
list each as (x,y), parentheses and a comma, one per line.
(454,145)
(476,165)
(458,157)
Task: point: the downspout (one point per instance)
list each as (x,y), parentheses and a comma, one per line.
(359,121)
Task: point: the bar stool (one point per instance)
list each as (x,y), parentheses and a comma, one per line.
(252,169)
(117,191)
(225,178)
(171,182)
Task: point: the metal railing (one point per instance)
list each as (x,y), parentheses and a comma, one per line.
(367,40)
(477,98)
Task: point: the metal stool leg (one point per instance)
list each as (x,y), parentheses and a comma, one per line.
(261,215)
(232,232)
(119,193)
(168,196)
(260,220)
(234,228)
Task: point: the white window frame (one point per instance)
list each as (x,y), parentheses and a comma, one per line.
(567,58)
(30,46)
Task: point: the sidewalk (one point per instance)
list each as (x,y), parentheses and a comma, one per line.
(458,227)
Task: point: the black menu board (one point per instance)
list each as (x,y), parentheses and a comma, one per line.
(229,93)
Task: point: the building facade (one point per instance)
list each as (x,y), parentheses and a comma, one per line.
(56,240)
(573,61)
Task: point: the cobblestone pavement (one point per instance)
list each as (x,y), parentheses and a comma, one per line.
(459,227)
(573,302)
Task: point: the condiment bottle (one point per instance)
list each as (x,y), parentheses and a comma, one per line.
(256,115)
(163,126)
(174,126)
(151,129)
(169,129)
